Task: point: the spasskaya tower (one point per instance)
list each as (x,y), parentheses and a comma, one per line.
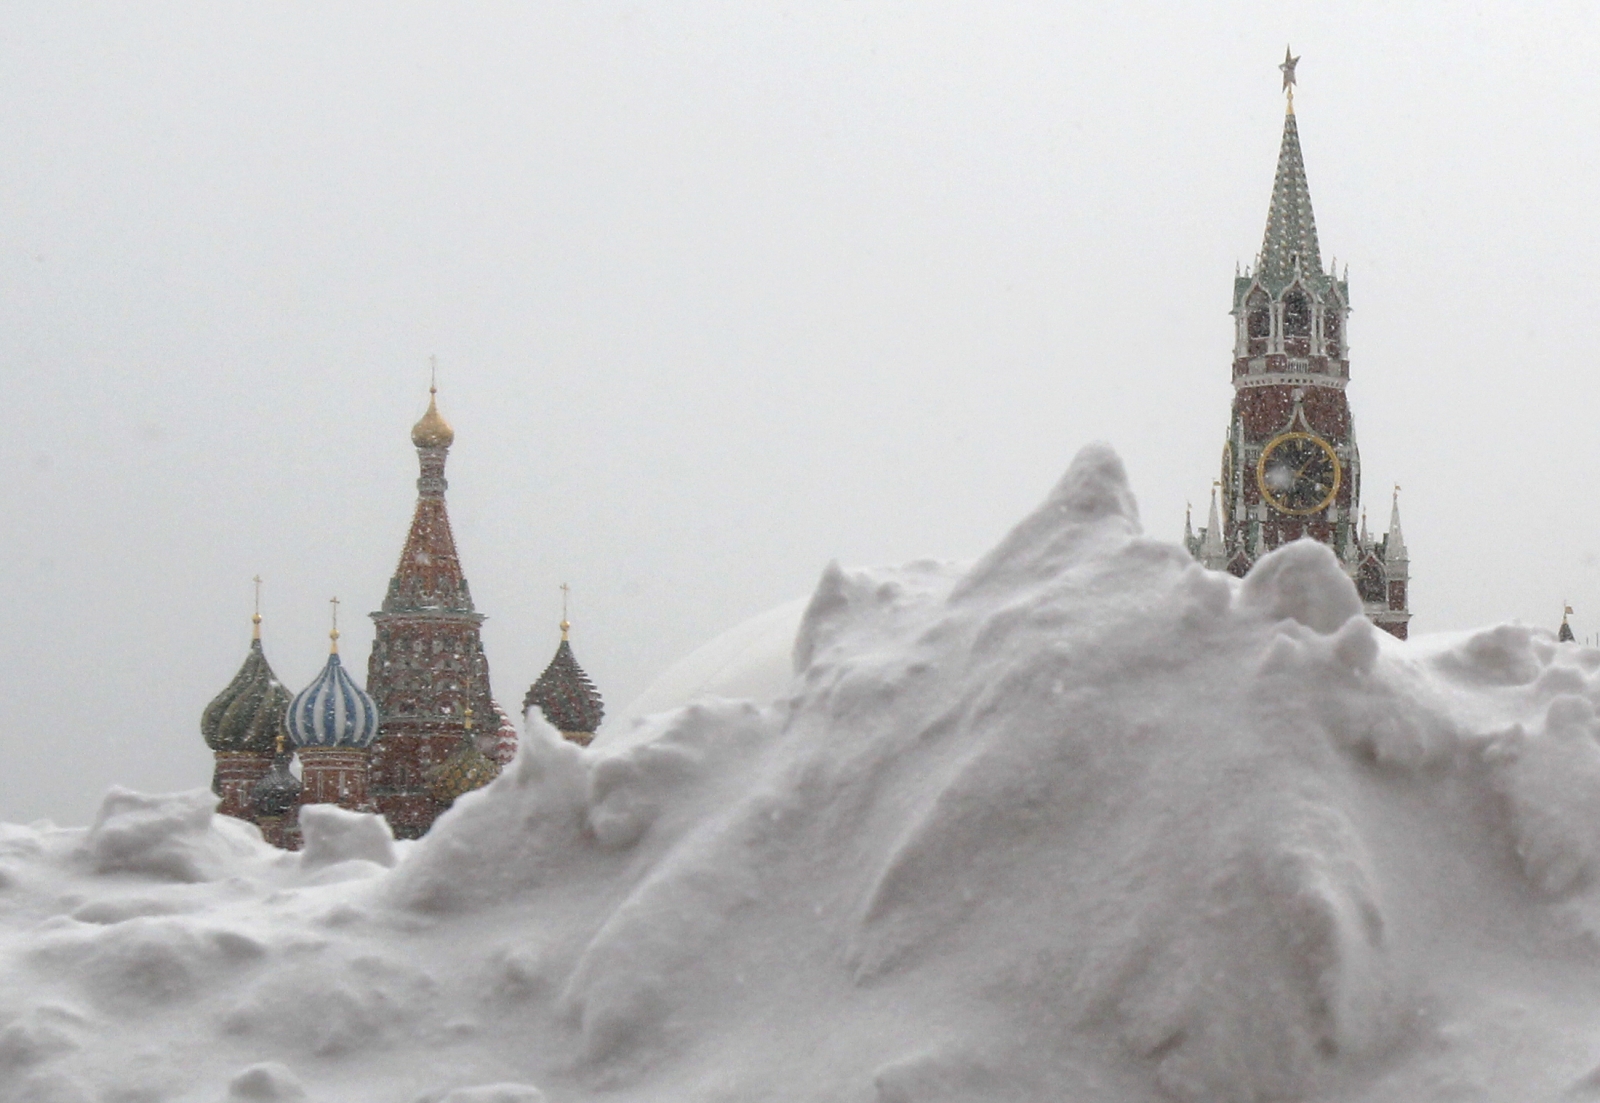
(1290,466)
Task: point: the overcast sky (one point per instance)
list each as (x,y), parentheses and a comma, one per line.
(721,292)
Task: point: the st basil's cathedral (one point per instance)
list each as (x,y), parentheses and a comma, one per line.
(426,729)
(1290,465)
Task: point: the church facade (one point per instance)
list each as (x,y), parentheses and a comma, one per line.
(1290,466)
(424,731)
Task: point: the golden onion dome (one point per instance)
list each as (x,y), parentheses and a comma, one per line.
(433,431)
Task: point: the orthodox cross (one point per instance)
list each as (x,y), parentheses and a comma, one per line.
(334,634)
(566,592)
(433,374)
(256,619)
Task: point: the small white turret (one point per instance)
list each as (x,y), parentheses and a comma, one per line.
(1395,556)
(1213,554)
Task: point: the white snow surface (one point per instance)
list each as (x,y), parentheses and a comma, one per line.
(1083,822)
(751,660)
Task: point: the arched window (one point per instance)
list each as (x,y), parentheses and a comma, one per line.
(1331,335)
(1258,318)
(1296,314)
(1370,583)
(1257,322)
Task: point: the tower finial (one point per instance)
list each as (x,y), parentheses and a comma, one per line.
(1287,69)
(333,635)
(255,619)
(432,431)
(566,625)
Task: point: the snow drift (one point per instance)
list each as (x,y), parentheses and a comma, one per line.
(1081,822)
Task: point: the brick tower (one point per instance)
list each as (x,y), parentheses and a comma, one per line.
(1290,466)
(427,651)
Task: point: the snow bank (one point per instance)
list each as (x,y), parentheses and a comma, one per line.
(751,661)
(1082,822)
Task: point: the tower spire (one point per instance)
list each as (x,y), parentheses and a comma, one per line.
(427,670)
(428,576)
(1289,246)
(1394,548)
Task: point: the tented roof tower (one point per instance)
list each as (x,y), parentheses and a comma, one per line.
(1290,466)
(427,666)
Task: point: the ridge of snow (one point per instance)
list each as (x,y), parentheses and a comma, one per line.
(1084,822)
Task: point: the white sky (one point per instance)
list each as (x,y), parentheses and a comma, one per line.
(720,293)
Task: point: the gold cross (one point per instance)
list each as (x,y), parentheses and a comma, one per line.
(334,635)
(433,374)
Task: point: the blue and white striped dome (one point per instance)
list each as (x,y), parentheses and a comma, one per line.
(332,711)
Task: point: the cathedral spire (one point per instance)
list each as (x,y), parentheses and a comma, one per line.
(428,576)
(1289,247)
(427,668)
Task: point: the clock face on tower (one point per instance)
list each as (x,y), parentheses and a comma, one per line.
(1298,473)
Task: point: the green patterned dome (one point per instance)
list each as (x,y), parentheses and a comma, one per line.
(466,769)
(248,715)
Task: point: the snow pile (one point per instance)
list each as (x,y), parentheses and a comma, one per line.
(1082,822)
